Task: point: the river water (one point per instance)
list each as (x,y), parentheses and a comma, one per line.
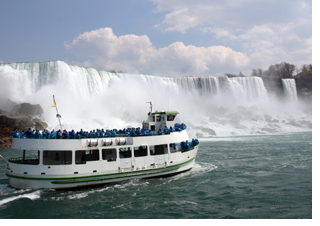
(243,177)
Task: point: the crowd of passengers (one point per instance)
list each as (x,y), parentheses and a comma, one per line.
(129,132)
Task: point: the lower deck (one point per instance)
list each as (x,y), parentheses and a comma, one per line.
(98,164)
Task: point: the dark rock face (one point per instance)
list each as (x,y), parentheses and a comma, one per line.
(274,85)
(27,109)
(304,88)
(21,117)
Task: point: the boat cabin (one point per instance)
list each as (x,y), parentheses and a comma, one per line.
(160,120)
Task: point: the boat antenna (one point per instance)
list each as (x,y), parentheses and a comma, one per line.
(58,115)
(150,106)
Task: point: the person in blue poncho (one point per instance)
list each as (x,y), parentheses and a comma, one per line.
(37,134)
(65,134)
(28,133)
(45,134)
(15,133)
(53,134)
(72,134)
(59,134)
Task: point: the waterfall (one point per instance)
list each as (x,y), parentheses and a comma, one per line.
(290,90)
(89,98)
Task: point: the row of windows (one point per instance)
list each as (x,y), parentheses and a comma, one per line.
(83,156)
(158,118)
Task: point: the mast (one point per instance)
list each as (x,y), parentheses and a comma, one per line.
(58,115)
(150,106)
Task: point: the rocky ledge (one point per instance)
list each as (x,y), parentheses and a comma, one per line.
(21,117)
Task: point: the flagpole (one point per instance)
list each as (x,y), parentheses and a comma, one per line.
(150,107)
(58,115)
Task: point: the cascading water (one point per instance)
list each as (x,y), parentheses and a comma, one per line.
(290,89)
(90,99)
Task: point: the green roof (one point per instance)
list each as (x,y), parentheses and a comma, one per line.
(166,112)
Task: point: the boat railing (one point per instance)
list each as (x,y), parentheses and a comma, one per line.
(98,136)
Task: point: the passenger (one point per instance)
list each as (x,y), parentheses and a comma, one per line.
(37,134)
(22,134)
(138,132)
(32,133)
(65,134)
(72,134)
(44,133)
(107,133)
(81,133)
(195,142)
(59,134)
(15,133)
(53,134)
(86,134)
(92,134)
(187,144)
(28,133)
(113,133)
(47,134)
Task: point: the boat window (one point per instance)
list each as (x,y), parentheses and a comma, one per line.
(158,118)
(57,157)
(29,157)
(109,154)
(125,152)
(158,149)
(170,117)
(174,147)
(140,151)
(84,156)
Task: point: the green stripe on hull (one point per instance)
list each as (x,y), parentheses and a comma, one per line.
(78,179)
(113,177)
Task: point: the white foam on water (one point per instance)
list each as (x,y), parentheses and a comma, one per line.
(32,196)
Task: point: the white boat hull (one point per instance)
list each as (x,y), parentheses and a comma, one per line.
(44,175)
(91,180)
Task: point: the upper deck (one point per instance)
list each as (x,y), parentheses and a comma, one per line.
(160,120)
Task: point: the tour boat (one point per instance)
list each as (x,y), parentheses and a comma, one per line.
(68,162)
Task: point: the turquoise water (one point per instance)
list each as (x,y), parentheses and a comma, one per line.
(250,177)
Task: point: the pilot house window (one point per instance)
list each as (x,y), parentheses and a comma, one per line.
(170,117)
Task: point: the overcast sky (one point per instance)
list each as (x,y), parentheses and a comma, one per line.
(158,37)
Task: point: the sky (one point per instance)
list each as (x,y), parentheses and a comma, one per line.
(158,37)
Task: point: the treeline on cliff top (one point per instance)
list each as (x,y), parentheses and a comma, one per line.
(282,70)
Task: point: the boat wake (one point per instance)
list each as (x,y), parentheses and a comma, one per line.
(32,196)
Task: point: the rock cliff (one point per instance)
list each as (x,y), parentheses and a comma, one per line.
(19,116)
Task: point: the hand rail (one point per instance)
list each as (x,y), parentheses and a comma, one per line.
(4,159)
